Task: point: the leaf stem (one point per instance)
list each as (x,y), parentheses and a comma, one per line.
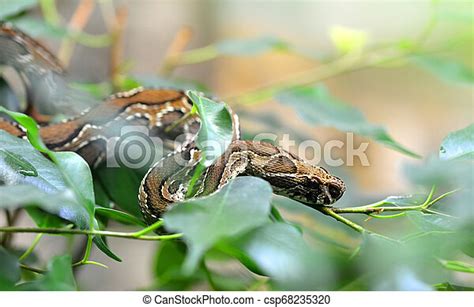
(373,210)
(330,211)
(31,248)
(148,229)
(28,268)
(87,252)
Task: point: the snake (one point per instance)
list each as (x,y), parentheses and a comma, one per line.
(166,182)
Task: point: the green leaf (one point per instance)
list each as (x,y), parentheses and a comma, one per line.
(316,106)
(18,164)
(31,126)
(348,40)
(119,216)
(252,46)
(439,172)
(168,263)
(61,203)
(51,187)
(10,8)
(79,177)
(44,219)
(59,277)
(447,69)
(215,133)
(458,266)
(121,185)
(241,205)
(102,245)
(281,253)
(446,286)
(432,222)
(458,144)
(9,270)
(405,200)
(395,266)
(74,174)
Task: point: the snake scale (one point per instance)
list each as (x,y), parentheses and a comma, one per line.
(166,182)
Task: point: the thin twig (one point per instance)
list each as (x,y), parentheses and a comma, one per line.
(178,44)
(329,211)
(78,21)
(116,48)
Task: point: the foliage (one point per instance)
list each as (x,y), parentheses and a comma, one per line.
(427,235)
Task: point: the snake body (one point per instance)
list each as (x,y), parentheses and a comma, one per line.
(166,182)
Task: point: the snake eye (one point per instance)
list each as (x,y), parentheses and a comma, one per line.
(335,192)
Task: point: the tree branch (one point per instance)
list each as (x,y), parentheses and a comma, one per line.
(116,234)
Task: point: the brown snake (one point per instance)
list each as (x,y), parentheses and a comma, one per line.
(166,182)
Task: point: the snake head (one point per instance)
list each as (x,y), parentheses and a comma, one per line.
(315,186)
(295,178)
(325,188)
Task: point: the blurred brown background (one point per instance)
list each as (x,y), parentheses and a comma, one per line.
(417,108)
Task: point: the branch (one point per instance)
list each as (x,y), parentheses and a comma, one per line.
(377,208)
(62,231)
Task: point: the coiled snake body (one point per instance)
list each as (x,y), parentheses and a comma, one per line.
(166,182)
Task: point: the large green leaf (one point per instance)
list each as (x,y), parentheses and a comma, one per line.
(458,144)
(61,203)
(316,106)
(59,277)
(394,266)
(215,133)
(447,69)
(9,270)
(9,7)
(48,177)
(48,189)
(442,173)
(280,252)
(17,163)
(432,222)
(168,264)
(78,177)
(121,185)
(71,173)
(241,205)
